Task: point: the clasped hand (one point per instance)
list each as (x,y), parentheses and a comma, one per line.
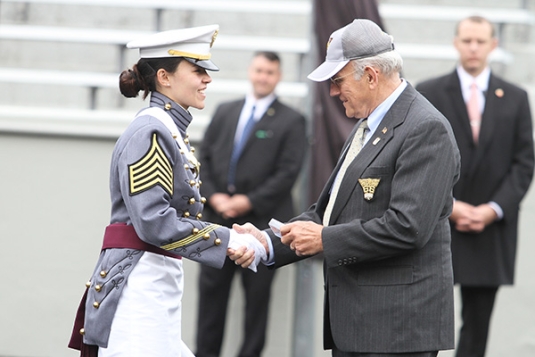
(472,219)
(302,237)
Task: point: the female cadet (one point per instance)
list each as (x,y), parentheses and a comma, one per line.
(133,299)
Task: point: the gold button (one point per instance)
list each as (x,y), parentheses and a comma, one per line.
(181,152)
(175,136)
(217,241)
(195,230)
(186,141)
(186,214)
(192,149)
(192,183)
(200,182)
(191,200)
(168,106)
(203,200)
(206,236)
(103,273)
(96,305)
(186,167)
(199,215)
(88,284)
(82,331)
(98,287)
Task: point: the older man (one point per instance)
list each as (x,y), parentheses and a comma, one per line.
(381,221)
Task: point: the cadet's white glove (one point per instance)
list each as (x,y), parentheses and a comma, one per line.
(238,240)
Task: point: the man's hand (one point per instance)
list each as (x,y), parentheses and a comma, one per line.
(241,256)
(472,219)
(251,229)
(245,250)
(303,237)
(218,201)
(238,205)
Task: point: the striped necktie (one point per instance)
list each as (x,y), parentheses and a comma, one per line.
(352,152)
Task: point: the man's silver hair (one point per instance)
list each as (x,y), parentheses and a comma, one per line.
(389,63)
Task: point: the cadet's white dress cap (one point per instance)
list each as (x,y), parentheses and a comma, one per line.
(360,39)
(192,43)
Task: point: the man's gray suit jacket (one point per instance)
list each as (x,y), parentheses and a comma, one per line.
(387,260)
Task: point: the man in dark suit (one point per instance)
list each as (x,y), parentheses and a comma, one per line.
(381,221)
(496,144)
(252,186)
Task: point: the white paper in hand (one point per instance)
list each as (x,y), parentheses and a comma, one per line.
(275,226)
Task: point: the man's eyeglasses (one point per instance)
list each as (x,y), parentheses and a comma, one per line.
(338,80)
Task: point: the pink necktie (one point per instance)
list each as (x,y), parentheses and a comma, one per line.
(474,113)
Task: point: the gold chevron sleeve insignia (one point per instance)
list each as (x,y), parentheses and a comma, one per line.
(153,169)
(192,238)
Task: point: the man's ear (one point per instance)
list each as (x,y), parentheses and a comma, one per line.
(371,75)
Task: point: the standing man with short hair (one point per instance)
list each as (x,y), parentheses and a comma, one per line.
(252,154)
(381,220)
(491,120)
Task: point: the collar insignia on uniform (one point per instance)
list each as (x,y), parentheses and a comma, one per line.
(384,130)
(376,141)
(368,186)
(153,169)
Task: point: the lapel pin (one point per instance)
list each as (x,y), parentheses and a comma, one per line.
(368,186)
(384,130)
(271,112)
(499,92)
(376,141)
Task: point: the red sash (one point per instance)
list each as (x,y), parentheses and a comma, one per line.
(117,235)
(121,235)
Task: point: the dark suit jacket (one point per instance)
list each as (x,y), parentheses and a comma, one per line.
(388,273)
(499,169)
(268,166)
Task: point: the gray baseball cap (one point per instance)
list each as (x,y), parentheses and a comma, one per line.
(360,39)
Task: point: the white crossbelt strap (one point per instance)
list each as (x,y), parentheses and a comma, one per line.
(166,119)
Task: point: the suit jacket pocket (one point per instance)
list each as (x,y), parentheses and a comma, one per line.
(386,275)
(377,171)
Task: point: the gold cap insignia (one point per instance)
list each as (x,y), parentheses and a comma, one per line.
(368,186)
(214,37)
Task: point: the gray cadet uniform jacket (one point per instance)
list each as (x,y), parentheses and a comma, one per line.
(156,189)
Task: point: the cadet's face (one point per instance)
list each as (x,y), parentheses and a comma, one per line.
(187,85)
(264,76)
(474,42)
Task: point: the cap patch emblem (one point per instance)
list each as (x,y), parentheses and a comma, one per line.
(153,169)
(329,42)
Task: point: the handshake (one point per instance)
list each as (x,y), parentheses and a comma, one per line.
(248,246)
